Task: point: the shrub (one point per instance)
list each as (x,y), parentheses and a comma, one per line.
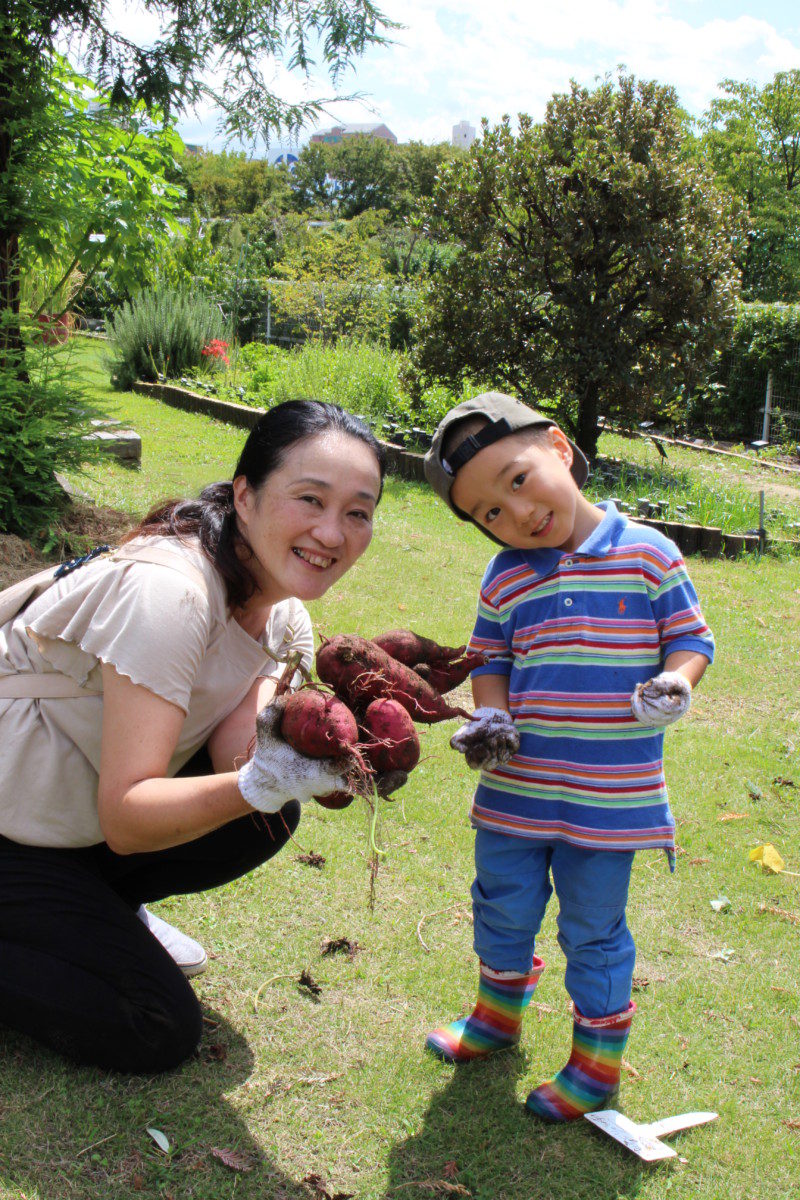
(162,332)
(766,337)
(359,376)
(42,431)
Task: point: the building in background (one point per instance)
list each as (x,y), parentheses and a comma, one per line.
(339,132)
(463,135)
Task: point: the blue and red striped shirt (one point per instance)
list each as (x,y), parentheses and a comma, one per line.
(575,632)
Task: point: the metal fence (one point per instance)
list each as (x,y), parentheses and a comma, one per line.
(781,405)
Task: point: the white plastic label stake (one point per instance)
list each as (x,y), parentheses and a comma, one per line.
(643,1139)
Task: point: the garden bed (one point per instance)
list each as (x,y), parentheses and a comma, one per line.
(691,538)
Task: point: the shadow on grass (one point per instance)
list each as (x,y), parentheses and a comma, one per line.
(70,1131)
(478,1141)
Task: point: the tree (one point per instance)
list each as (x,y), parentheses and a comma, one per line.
(363,172)
(594,268)
(99,190)
(333,282)
(751,139)
(228,185)
(169,73)
(311,183)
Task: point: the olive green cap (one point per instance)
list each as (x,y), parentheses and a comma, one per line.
(505,416)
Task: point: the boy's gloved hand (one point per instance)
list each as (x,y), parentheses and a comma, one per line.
(277,774)
(661,700)
(488,740)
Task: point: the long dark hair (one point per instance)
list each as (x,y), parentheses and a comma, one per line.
(212,517)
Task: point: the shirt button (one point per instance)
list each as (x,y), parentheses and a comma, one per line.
(568,602)
(568,562)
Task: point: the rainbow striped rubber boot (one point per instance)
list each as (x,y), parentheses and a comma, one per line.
(590,1080)
(496,1020)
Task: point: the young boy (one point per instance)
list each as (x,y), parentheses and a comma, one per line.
(594,640)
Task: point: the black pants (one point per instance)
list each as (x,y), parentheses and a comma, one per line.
(81,973)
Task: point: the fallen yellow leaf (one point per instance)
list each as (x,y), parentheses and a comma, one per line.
(767,858)
(732,817)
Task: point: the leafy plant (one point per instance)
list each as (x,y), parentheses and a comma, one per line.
(766,337)
(162,332)
(42,431)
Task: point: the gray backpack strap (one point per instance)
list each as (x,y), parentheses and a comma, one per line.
(54,685)
(13,599)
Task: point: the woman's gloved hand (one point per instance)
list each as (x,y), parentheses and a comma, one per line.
(277,774)
(488,740)
(662,699)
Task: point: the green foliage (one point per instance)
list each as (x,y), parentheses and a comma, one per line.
(594,268)
(766,337)
(101,167)
(42,429)
(359,376)
(231,184)
(751,139)
(363,172)
(334,283)
(99,190)
(162,332)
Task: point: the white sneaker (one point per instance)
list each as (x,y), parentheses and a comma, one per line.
(186,952)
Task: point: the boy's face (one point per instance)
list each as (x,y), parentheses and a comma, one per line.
(521,490)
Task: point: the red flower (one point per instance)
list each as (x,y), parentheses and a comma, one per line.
(216,349)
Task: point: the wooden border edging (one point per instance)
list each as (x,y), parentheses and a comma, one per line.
(240,415)
(690,539)
(752,459)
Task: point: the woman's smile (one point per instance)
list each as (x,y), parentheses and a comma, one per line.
(315,560)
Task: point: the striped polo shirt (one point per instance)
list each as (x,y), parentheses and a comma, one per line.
(575,631)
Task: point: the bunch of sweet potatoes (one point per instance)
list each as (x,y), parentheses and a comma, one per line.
(380,687)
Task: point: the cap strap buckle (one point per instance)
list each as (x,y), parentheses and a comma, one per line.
(475,442)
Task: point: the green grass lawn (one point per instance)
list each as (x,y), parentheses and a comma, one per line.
(335,1090)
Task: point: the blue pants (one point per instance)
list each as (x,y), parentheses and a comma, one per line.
(509,896)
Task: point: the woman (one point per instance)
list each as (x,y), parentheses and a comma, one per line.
(143,668)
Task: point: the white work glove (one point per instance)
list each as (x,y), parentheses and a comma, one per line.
(277,774)
(661,700)
(488,740)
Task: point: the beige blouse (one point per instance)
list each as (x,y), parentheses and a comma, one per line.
(165,627)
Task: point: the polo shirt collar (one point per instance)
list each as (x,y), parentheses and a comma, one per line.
(596,545)
(604,535)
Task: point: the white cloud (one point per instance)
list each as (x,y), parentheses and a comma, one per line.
(469,59)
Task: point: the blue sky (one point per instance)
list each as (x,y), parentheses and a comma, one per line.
(468,59)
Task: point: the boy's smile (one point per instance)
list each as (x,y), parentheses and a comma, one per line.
(521,490)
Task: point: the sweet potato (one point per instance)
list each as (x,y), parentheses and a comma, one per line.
(359,671)
(391,743)
(335,800)
(411,648)
(319,725)
(444,677)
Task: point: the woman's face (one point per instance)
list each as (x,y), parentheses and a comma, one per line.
(312,517)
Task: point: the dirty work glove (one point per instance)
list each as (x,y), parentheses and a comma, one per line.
(488,740)
(662,699)
(277,774)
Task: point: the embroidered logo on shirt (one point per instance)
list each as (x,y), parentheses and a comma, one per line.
(622,606)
